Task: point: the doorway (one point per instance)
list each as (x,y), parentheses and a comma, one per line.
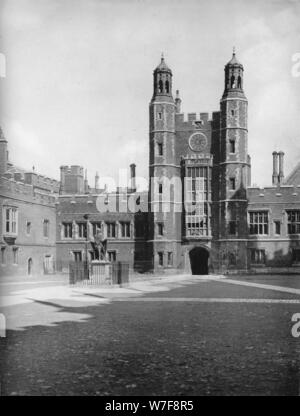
(199,260)
(29,266)
(48,264)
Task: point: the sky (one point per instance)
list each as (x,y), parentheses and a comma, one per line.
(79,76)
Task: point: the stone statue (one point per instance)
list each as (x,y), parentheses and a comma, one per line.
(99,246)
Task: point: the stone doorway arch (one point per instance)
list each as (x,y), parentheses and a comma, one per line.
(199,260)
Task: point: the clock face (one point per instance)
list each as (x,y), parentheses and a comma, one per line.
(198,142)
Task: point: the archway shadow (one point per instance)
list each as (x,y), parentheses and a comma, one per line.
(199,260)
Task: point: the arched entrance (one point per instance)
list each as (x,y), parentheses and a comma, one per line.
(199,260)
(29,266)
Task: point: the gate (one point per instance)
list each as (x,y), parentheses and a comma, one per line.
(98,274)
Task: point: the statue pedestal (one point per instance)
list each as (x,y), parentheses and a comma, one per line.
(101,272)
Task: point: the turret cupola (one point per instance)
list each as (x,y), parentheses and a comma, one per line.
(162,81)
(234,73)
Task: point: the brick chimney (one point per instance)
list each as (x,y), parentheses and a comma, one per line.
(178,102)
(281,170)
(3,153)
(132,176)
(97,181)
(275,169)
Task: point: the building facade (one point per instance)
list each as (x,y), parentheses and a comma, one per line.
(81,213)
(200,214)
(224,224)
(28,219)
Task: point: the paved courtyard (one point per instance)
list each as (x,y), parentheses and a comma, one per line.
(181,335)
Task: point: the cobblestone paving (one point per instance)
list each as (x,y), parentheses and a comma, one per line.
(103,346)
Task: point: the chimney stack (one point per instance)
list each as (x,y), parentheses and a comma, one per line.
(132,176)
(97,181)
(63,170)
(3,153)
(281,172)
(275,169)
(249,170)
(178,102)
(86,184)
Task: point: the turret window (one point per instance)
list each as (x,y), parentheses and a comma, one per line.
(232,84)
(159,116)
(160,86)
(167,87)
(160,229)
(232,227)
(160,149)
(232,146)
(232,184)
(239,82)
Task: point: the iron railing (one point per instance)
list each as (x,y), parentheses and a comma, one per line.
(98,273)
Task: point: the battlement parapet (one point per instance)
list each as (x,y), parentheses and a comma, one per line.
(9,188)
(39,181)
(72,170)
(196,119)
